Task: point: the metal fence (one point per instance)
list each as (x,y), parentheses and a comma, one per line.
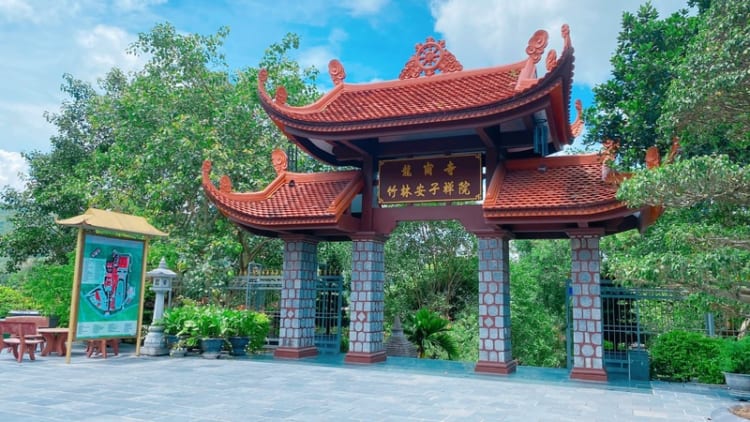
(633,317)
(261,291)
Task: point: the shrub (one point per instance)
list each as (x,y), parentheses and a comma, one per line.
(11,299)
(687,356)
(735,356)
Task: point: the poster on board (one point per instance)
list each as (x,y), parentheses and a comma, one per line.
(111,280)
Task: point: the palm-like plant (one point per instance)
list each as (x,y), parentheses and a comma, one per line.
(428,329)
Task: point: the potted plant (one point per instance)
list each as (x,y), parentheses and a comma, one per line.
(735,363)
(209,330)
(236,329)
(173,320)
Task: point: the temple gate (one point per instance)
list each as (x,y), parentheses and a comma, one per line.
(440,142)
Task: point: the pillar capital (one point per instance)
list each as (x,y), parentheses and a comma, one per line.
(494,234)
(369,236)
(585,232)
(299,237)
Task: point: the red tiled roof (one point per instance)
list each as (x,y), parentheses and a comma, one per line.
(444,97)
(349,103)
(566,186)
(291,200)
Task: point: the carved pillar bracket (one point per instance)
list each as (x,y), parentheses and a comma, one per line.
(588,353)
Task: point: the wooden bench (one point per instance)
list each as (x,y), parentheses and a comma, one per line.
(22,338)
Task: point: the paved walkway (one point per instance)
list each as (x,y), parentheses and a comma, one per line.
(130,388)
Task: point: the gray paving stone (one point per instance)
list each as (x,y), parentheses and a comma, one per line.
(130,388)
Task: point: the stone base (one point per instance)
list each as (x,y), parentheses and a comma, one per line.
(588,374)
(154,351)
(365,358)
(295,352)
(155,344)
(498,368)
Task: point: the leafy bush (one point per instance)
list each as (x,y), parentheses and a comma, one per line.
(687,356)
(429,331)
(50,287)
(11,299)
(735,356)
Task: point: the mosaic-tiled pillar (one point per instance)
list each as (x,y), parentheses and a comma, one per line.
(366,302)
(586,303)
(495,354)
(297,331)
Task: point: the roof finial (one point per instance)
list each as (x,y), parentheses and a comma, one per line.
(225,184)
(281,95)
(537,44)
(566,37)
(336,70)
(279,160)
(577,126)
(430,57)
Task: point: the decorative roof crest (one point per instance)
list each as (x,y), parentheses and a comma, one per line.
(537,44)
(551,61)
(225,184)
(577,126)
(279,160)
(428,58)
(336,70)
(565,31)
(281,95)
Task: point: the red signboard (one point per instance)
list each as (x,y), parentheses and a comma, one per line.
(434,179)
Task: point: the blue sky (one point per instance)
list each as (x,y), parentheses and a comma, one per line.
(43,39)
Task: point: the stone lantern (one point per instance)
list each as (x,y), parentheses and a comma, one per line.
(155,344)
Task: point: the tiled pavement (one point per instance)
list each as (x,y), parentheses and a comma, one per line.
(130,388)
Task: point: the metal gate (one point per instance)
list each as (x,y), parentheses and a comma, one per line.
(631,317)
(263,294)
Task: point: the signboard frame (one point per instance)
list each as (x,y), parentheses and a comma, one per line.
(445,178)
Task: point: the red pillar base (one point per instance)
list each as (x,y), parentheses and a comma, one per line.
(588,374)
(364,358)
(497,368)
(294,352)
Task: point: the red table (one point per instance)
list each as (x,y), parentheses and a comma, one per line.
(55,339)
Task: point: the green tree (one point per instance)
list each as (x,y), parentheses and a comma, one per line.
(538,277)
(627,107)
(701,240)
(137,144)
(431,265)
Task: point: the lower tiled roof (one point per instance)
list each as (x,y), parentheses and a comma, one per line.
(564,186)
(292,199)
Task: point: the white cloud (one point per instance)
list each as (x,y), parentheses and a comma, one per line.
(16,11)
(489,32)
(23,125)
(136,5)
(104,47)
(359,8)
(11,164)
(316,56)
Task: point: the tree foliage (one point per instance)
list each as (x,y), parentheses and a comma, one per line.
(701,240)
(136,144)
(627,106)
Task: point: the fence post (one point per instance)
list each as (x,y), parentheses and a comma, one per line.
(710,326)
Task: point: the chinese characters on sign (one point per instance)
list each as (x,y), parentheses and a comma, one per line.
(448,178)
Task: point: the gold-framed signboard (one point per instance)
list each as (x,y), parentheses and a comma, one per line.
(434,179)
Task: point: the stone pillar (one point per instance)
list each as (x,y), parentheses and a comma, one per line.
(366,304)
(495,356)
(586,303)
(297,331)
